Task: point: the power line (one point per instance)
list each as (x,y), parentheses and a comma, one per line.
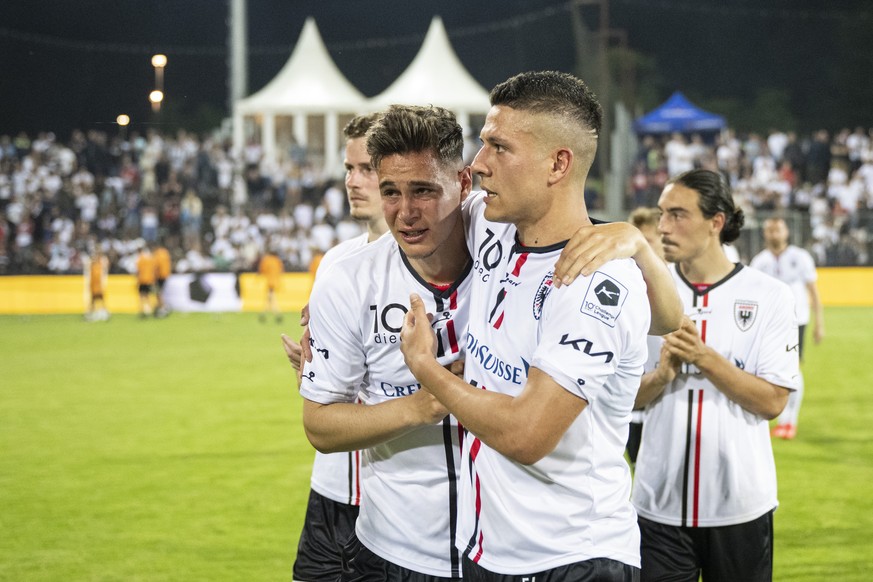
(514,22)
(794,13)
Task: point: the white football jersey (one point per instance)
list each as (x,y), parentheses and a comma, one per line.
(590,337)
(704,460)
(409,484)
(794,267)
(337,475)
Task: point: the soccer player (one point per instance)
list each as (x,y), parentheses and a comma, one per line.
(646,221)
(335,493)
(551,373)
(705,481)
(270,267)
(164,266)
(410,467)
(795,267)
(146,273)
(96,270)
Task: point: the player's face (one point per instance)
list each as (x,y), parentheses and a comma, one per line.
(512,165)
(775,233)
(685,232)
(421,199)
(362,184)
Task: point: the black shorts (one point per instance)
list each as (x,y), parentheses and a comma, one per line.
(161,283)
(326,529)
(594,570)
(723,554)
(145,289)
(362,565)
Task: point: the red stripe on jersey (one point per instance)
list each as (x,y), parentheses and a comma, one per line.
(453,338)
(522,259)
(703,328)
(474,449)
(498,322)
(706,300)
(357,478)
(453,300)
(479,552)
(697,458)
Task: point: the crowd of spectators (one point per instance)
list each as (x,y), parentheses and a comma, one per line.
(58,200)
(825,180)
(219,212)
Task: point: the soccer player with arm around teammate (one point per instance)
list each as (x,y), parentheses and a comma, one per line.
(705,480)
(795,267)
(551,373)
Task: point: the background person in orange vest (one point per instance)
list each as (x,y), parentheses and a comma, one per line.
(96,269)
(164,267)
(146,274)
(270,266)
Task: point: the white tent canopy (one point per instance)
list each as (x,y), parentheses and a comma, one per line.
(309,84)
(436,77)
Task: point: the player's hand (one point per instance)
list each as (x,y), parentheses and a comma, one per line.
(427,408)
(457,368)
(293,351)
(818,334)
(306,346)
(304,316)
(417,338)
(685,344)
(592,246)
(668,366)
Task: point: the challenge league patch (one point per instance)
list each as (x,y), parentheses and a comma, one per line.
(604,298)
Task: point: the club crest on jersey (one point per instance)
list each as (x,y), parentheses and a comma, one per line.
(745,313)
(540,298)
(604,298)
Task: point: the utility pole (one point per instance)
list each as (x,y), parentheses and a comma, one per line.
(592,63)
(237,60)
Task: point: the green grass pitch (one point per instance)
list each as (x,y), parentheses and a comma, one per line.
(173,450)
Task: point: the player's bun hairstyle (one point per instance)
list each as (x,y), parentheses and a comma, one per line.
(359,125)
(404,129)
(714,196)
(551,92)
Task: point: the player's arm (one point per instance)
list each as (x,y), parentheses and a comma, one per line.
(592,246)
(652,383)
(525,428)
(342,426)
(817,312)
(755,394)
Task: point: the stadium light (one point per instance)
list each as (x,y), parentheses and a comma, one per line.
(123,120)
(156,97)
(159,61)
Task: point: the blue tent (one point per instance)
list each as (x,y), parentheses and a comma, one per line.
(678,114)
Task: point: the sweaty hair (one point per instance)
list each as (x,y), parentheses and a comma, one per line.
(359,125)
(644,216)
(714,196)
(404,129)
(552,93)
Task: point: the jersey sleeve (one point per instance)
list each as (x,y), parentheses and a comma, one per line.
(779,361)
(338,365)
(808,268)
(592,328)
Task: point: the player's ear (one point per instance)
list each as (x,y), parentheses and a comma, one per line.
(466,178)
(561,163)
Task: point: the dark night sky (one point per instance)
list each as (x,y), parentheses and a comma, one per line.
(78,64)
